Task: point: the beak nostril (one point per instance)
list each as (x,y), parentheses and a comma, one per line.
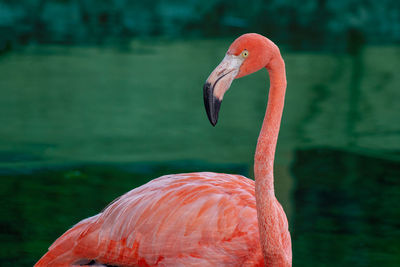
(220,72)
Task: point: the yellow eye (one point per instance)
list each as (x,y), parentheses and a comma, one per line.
(245,53)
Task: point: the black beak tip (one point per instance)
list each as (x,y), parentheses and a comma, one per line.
(214,122)
(211,103)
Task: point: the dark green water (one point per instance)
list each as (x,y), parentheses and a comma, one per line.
(83,125)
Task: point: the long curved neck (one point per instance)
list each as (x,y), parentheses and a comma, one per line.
(266,144)
(267,211)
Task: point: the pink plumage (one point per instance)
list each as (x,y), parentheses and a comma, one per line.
(205,219)
(197,219)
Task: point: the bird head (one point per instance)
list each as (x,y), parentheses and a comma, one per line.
(247,54)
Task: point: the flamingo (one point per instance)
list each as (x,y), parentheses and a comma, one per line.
(197,219)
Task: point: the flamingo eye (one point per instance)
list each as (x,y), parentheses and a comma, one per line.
(245,53)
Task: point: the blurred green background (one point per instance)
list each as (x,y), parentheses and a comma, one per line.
(99,97)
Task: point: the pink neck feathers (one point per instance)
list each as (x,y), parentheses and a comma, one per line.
(267,210)
(265,151)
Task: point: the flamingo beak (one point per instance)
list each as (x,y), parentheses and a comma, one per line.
(218,83)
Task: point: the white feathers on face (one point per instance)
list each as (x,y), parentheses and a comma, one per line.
(223,75)
(232,63)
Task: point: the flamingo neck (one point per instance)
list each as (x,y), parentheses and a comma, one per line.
(266,144)
(267,212)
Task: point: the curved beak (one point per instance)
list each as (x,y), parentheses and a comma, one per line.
(218,83)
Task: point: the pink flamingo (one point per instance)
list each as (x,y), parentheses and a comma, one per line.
(197,219)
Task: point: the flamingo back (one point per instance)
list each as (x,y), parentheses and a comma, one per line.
(194,219)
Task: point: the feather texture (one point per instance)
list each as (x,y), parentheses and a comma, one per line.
(194,219)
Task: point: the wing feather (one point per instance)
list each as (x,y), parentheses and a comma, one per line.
(194,219)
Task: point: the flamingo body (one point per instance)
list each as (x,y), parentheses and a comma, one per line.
(194,219)
(197,219)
